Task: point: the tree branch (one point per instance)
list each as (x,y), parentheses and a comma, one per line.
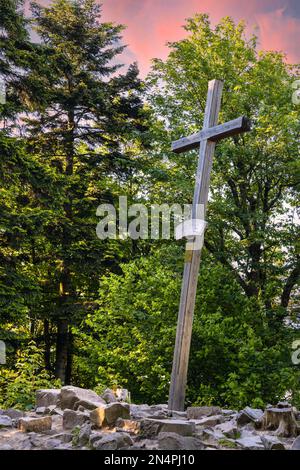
(221,258)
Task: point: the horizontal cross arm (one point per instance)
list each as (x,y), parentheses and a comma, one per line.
(230,128)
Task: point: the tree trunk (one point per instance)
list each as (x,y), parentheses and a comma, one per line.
(32,327)
(63,367)
(62,350)
(281,420)
(69,359)
(47,354)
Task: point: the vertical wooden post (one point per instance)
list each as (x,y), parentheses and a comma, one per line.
(192,257)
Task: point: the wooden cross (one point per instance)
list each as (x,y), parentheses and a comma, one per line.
(207,138)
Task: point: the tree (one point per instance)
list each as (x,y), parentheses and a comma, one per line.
(18,288)
(19,386)
(252,220)
(251,256)
(77,133)
(82,114)
(129,340)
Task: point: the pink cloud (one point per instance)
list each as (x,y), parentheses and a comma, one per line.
(281,33)
(151,23)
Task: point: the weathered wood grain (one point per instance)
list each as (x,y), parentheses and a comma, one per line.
(216,133)
(207,139)
(191,267)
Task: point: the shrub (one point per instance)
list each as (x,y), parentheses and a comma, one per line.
(18,385)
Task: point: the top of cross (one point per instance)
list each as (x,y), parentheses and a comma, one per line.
(213,133)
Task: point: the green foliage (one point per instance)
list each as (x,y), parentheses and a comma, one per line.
(254,185)
(90,134)
(128,341)
(70,161)
(18,385)
(235,360)
(241,347)
(227,443)
(75,436)
(99,388)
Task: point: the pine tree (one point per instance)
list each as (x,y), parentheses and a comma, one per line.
(87,120)
(15,285)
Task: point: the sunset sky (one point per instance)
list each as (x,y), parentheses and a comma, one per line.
(151,23)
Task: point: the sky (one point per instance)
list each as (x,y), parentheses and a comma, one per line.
(152,23)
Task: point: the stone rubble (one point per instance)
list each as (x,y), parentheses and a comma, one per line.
(73,418)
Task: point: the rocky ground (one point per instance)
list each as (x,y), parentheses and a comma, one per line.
(75,418)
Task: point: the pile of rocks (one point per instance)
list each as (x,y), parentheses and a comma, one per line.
(76,418)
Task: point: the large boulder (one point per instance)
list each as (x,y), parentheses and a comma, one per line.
(198,412)
(109,396)
(73,418)
(210,436)
(272,443)
(47,397)
(229,429)
(35,424)
(13,414)
(248,415)
(88,404)
(119,440)
(151,427)
(209,421)
(139,411)
(6,447)
(5,422)
(84,434)
(173,441)
(296,444)
(153,411)
(73,397)
(128,425)
(250,443)
(108,415)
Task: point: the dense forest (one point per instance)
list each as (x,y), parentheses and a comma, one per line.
(79,129)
